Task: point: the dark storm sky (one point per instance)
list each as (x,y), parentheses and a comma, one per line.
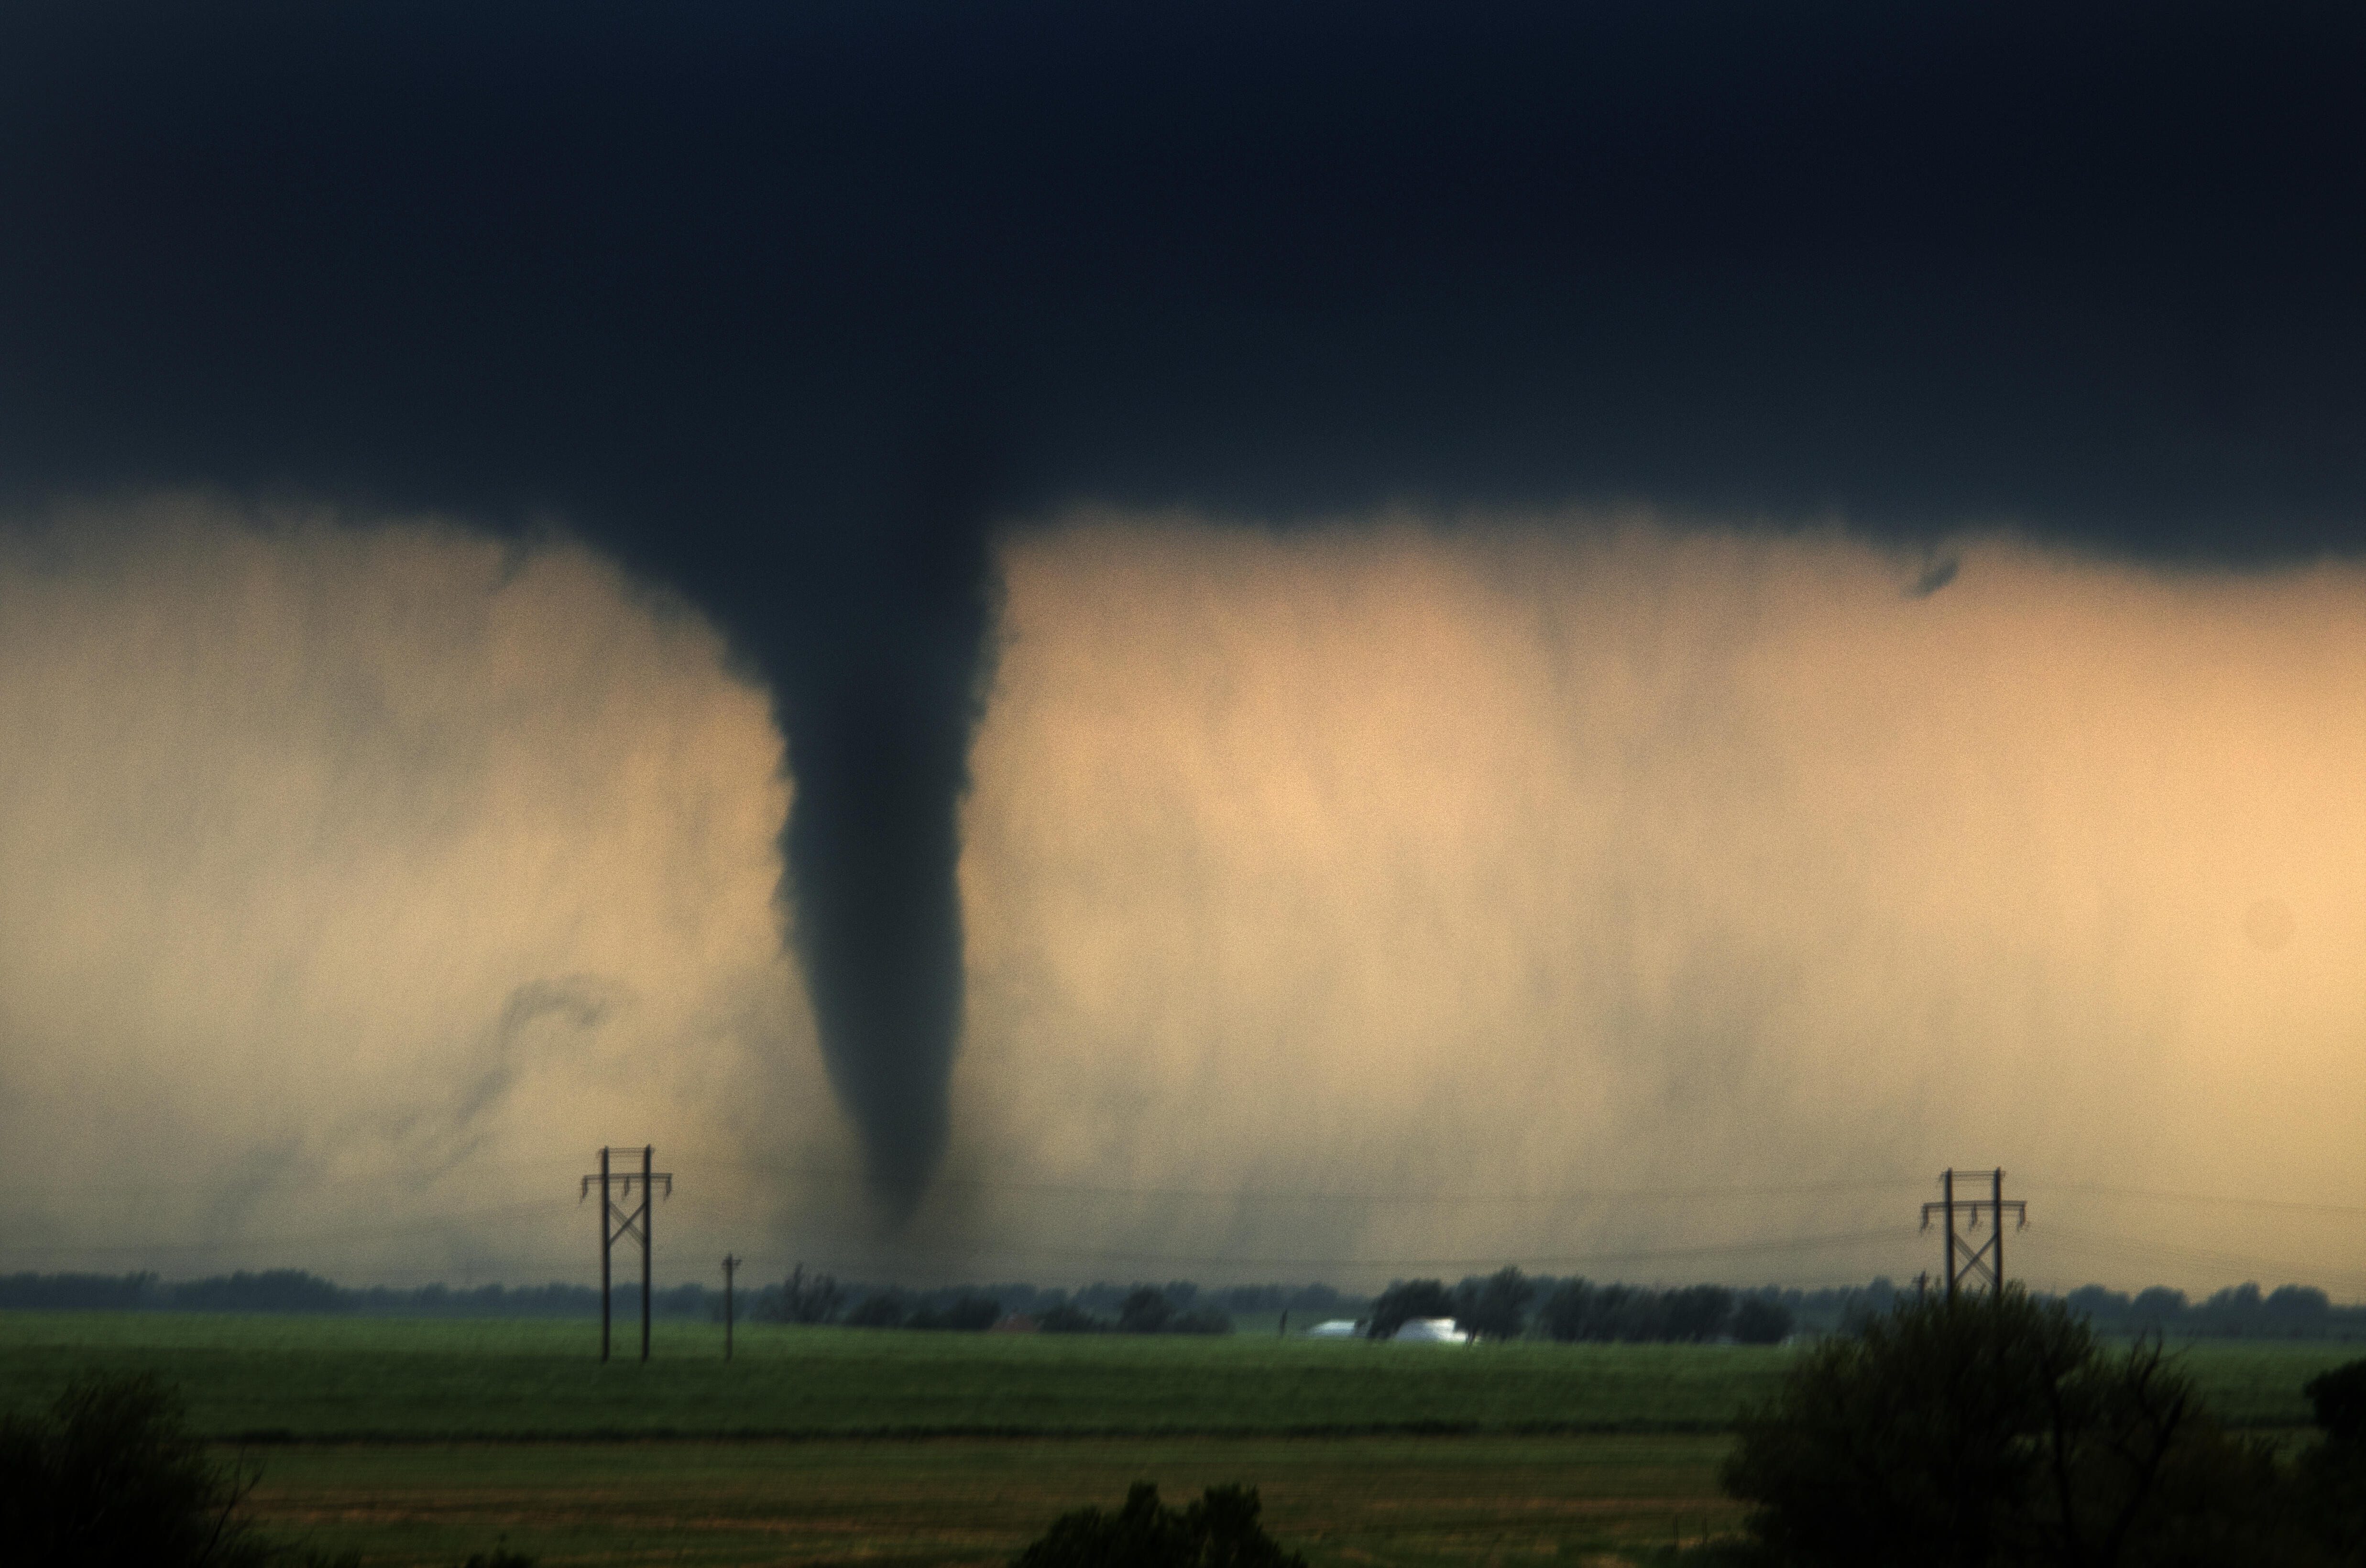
(2103,272)
(788,306)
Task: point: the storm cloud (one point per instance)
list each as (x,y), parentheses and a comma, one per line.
(809,316)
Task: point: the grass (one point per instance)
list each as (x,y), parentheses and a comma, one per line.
(326,1379)
(422,1442)
(331,1379)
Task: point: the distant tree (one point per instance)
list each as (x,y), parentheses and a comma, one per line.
(1696,1313)
(880,1309)
(1495,1308)
(1990,1430)
(1201,1320)
(1221,1530)
(52,1292)
(1758,1321)
(1146,1310)
(1068,1318)
(273,1289)
(1567,1310)
(1406,1300)
(802,1299)
(966,1312)
(2157,1307)
(2298,1311)
(2097,1305)
(1629,1316)
(2236,1311)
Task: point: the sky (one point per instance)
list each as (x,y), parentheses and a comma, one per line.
(1200,643)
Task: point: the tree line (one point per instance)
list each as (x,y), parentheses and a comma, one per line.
(1506,1304)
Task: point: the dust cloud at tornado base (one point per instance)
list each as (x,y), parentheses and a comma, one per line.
(1430,881)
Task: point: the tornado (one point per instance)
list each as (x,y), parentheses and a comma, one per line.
(861,593)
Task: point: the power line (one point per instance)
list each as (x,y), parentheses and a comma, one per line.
(2346,1210)
(502,1214)
(1240,1195)
(1494,1259)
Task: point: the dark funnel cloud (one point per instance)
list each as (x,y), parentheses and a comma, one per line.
(791,306)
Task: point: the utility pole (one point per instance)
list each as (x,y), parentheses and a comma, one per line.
(730,1265)
(1985,1261)
(617,1222)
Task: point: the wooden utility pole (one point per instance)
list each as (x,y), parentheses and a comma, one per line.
(730,1265)
(617,1222)
(1986,1260)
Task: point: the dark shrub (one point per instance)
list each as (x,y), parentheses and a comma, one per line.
(1221,1530)
(2340,1397)
(112,1476)
(1990,1430)
(2331,1475)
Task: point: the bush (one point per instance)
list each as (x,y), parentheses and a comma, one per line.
(1990,1430)
(2338,1398)
(114,1477)
(1221,1530)
(2331,1475)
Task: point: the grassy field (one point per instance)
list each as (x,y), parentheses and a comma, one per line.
(341,1379)
(348,1378)
(420,1441)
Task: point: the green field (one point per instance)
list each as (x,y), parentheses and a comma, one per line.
(420,1441)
